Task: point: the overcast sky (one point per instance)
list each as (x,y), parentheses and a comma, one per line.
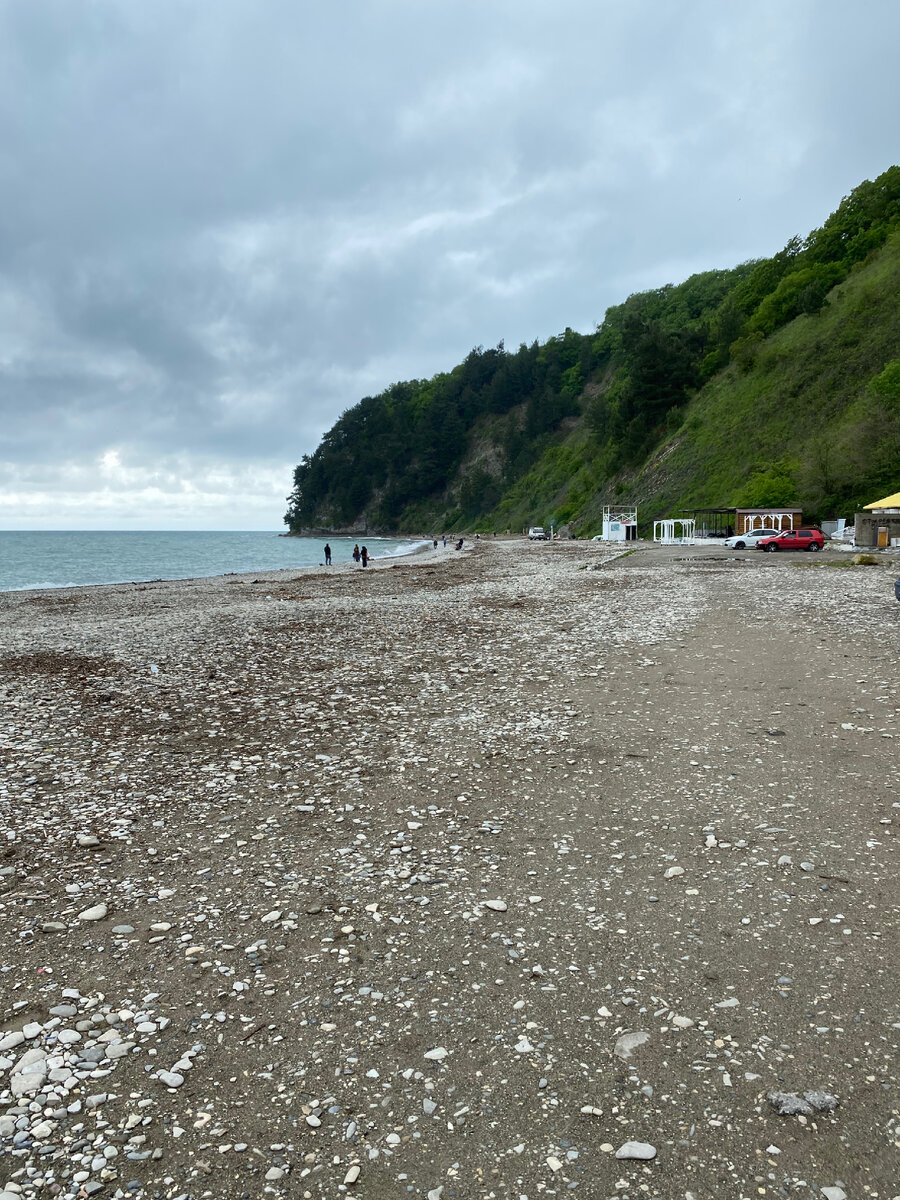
(223,222)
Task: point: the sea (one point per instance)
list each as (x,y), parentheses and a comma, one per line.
(63,559)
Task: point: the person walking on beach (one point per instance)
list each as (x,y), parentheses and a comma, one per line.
(364,555)
(356,553)
(327,555)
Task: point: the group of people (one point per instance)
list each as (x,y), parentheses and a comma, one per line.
(361,554)
(358,555)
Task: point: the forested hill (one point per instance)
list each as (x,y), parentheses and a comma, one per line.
(776,381)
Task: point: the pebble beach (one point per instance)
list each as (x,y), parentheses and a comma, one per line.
(529,870)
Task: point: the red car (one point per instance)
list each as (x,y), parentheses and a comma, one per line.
(793,539)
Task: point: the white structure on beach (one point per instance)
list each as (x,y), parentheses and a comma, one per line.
(619,523)
(674,531)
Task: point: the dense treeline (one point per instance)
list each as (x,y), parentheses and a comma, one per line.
(391,450)
(466,445)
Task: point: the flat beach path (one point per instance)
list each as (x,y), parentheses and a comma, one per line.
(454,878)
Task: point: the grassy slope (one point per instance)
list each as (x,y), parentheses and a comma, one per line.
(798,393)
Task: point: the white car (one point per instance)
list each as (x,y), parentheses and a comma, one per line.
(536,533)
(741,541)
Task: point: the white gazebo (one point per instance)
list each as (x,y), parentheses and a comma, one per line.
(619,523)
(674,531)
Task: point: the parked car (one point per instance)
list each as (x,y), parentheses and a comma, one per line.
(740,541)
(793,539)
(897,588)
(536,533)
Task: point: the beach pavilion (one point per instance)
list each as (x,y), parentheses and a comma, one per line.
(723,522)
(879,523)
(619,523)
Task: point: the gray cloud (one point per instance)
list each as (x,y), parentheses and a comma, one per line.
(223,224)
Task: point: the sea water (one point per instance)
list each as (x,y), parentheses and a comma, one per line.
(54,559)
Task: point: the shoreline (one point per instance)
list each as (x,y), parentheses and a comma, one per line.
(415,549)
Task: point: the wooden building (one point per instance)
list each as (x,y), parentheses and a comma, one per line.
(746,519)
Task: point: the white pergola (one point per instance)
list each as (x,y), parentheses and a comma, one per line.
(674,531)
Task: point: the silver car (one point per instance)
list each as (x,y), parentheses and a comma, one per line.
(741,541)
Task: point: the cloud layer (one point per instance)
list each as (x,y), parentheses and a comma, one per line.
(223,224)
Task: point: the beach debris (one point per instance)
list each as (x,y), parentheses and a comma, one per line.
(629,1042)
(790,1104)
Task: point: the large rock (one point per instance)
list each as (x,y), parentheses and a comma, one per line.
(95,913)
(638,1150)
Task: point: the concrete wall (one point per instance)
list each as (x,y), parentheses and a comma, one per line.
(867,525)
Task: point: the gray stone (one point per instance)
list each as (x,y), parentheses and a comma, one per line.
(28,1082)
(119,1050)
(788,1104)
(95,913)
(639,1150)
(628,1042)
(821,1101)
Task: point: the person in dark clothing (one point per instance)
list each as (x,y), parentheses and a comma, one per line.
(356,554)
(327,555)
(364,555)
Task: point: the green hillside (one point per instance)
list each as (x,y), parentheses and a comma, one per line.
(775,382)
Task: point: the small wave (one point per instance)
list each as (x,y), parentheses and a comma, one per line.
(402,551)
(37,587)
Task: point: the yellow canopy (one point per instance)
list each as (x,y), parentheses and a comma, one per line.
(887,502)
